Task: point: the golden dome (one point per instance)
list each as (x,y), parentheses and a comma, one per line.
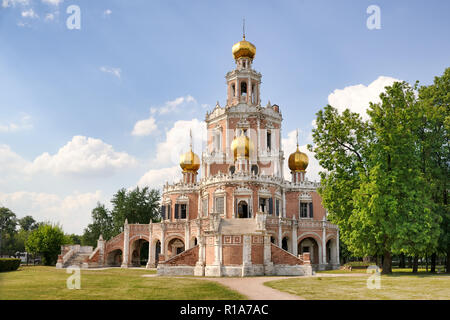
(241,146)
(298,161)
(189,162)
(244,49)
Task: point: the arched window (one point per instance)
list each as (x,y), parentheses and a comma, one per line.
(254,169)
(284,244)
(243,88)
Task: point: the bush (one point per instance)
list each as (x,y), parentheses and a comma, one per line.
(9,264)
(362,264)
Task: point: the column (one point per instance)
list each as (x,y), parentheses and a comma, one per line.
(126,244)
(259,137)
(294,237)
(337,247)
(324,244)
(163,245)
(187,236)
(151,256)
(246,254)
(279,232)
(284,203)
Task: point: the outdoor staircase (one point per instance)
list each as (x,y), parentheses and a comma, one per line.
(76,260)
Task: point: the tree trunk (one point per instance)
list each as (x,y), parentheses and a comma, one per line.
(433,263)
(415,264)
(387,263)
(402,263)
(410,259)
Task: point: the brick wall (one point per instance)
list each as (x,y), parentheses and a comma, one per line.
(186,258)
(279,256)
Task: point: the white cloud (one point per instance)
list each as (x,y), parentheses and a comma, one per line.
(357,97)
(289,145)
(169,151)
(13,3)
(107,12)
(174,105)
(52,2)
(156,178)
(72,211)
(114,71)
(29,14)
(144,127)
(24,124)
(82,155)
(49,17)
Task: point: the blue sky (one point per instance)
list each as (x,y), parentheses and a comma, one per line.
(70,99)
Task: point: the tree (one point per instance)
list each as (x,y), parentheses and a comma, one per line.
(46,241)
(8,223)
(102,224)
(137,205)
(435,104)
(27,223)
(373,187)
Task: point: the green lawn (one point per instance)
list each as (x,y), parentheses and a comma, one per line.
(401,285)
(49,283)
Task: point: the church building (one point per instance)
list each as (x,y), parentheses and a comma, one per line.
(241,217)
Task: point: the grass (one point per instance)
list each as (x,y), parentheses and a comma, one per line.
(401,285)
(49,283)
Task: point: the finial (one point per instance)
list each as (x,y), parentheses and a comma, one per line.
(243,28)
(190,134)
(297,138)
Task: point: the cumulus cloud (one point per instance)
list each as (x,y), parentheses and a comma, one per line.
(165,165)
(73,211)
(114,71)
(357,97)
(107,12)
(289,145)
(82,155)
(144,127)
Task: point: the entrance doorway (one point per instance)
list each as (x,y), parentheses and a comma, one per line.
(243,209)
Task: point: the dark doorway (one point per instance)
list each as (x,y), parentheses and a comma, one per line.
(284,244)
(242,209)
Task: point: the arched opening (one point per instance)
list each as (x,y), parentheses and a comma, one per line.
(254,169)
(309,245)
(193,242)
(232,169)
(243,88)
(243,209)
(285,244)
(114,258)
(174,247)
(139,253)
(331,252)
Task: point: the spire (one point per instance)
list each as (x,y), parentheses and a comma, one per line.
(297,138)
(243,29)
(190,135)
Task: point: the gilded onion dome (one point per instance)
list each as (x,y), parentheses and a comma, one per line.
(241,146)
(189,162)
(243,49)
(298,161)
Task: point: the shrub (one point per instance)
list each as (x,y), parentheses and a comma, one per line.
(9,264)
(363,264)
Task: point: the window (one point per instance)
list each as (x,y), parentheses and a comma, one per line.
(262,204)
(163,212)
(232,169)
(269,141)
(168,212)
(243,88)
(254,169)
(220,205)
(205,207)
(233,90)
(277,207)
(177,210)
(303,210)
(270,206)
(183,211)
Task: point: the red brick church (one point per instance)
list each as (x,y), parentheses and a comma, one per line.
(242,217)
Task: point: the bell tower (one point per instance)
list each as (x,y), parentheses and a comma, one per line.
(243,82)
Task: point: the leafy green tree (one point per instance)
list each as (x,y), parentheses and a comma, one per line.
(373,187)
(46,241)
(102,224)
(8,223)
(435,161)
(27,223)
(137,205)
